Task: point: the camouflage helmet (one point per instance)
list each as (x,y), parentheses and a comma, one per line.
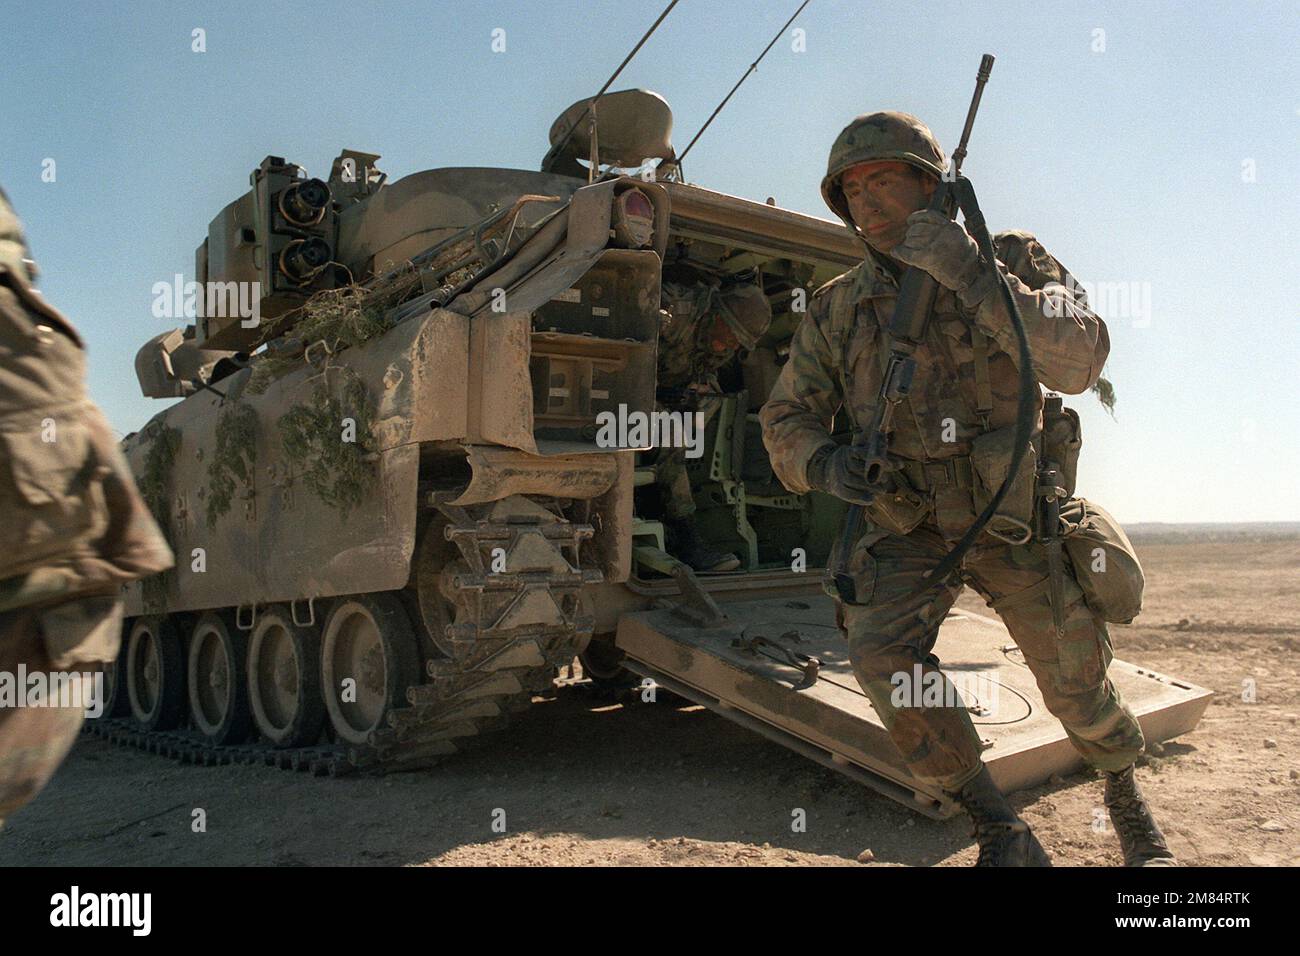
(747,312)
(880,137)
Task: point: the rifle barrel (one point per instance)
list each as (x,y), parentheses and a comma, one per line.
(981,77)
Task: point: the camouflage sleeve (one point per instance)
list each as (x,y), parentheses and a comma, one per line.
(797,417)
(1068,340)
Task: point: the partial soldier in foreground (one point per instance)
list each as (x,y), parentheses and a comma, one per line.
(74,527)
(951,450)
(705,326)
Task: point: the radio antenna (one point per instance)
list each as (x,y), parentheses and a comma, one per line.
(752,67)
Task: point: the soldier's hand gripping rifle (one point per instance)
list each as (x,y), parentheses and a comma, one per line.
(907,329)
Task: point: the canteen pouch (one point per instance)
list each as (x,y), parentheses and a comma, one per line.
(1105,564)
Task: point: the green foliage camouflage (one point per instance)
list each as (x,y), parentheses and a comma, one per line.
(232,460)
(1105,392)
(338,318)
(338,471)
(154,484)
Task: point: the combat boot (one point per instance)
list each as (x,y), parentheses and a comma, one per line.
(1139,837)
(690,549)
(1004,839)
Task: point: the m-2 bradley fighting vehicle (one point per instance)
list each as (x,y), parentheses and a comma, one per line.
(394,511)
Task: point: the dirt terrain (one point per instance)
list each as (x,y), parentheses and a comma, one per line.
(585,779)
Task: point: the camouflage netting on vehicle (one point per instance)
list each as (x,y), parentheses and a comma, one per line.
(333,456)
(338,318)
(154,484)
(232,460)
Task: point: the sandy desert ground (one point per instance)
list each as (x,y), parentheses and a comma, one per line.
(585,779)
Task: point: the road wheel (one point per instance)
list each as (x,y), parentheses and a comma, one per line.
(284,686)
(218,691)
(602,662)
(155,674)
(115,697)
(368,660)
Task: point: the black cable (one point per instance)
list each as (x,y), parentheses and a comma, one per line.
(1028,389)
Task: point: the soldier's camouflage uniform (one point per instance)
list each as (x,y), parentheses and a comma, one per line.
(73,525)
(837,360)
(687,366)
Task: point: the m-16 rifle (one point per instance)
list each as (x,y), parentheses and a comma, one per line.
(911,318)
(907,329)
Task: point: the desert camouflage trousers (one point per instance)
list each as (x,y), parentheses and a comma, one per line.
(890,631)
(33,740)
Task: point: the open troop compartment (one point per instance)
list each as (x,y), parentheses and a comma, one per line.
(741,507)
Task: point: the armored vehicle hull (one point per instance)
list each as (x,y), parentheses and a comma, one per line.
(397,513)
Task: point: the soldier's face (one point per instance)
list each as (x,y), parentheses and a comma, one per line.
(881,196)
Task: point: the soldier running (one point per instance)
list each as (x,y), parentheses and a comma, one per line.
(74,526)
(947,446)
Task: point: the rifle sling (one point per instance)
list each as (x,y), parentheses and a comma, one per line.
(938,577)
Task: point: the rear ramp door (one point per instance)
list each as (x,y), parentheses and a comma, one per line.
(780,667)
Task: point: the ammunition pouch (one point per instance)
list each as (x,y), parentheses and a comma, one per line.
(1105,564)
(1061,439)
(946,485)
(990,459)
(900,509)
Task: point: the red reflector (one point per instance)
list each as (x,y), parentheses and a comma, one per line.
(635,203)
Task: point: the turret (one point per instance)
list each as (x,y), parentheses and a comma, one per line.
(279,241)
(292,236)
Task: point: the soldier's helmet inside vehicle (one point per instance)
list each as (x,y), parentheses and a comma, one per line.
(747,312)
(879,137)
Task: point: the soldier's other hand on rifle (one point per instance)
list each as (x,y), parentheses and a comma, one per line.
(942,247)
(841,471)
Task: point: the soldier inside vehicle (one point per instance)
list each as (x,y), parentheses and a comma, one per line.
(726,316)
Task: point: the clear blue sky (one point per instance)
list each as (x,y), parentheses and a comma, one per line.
(1127,162)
